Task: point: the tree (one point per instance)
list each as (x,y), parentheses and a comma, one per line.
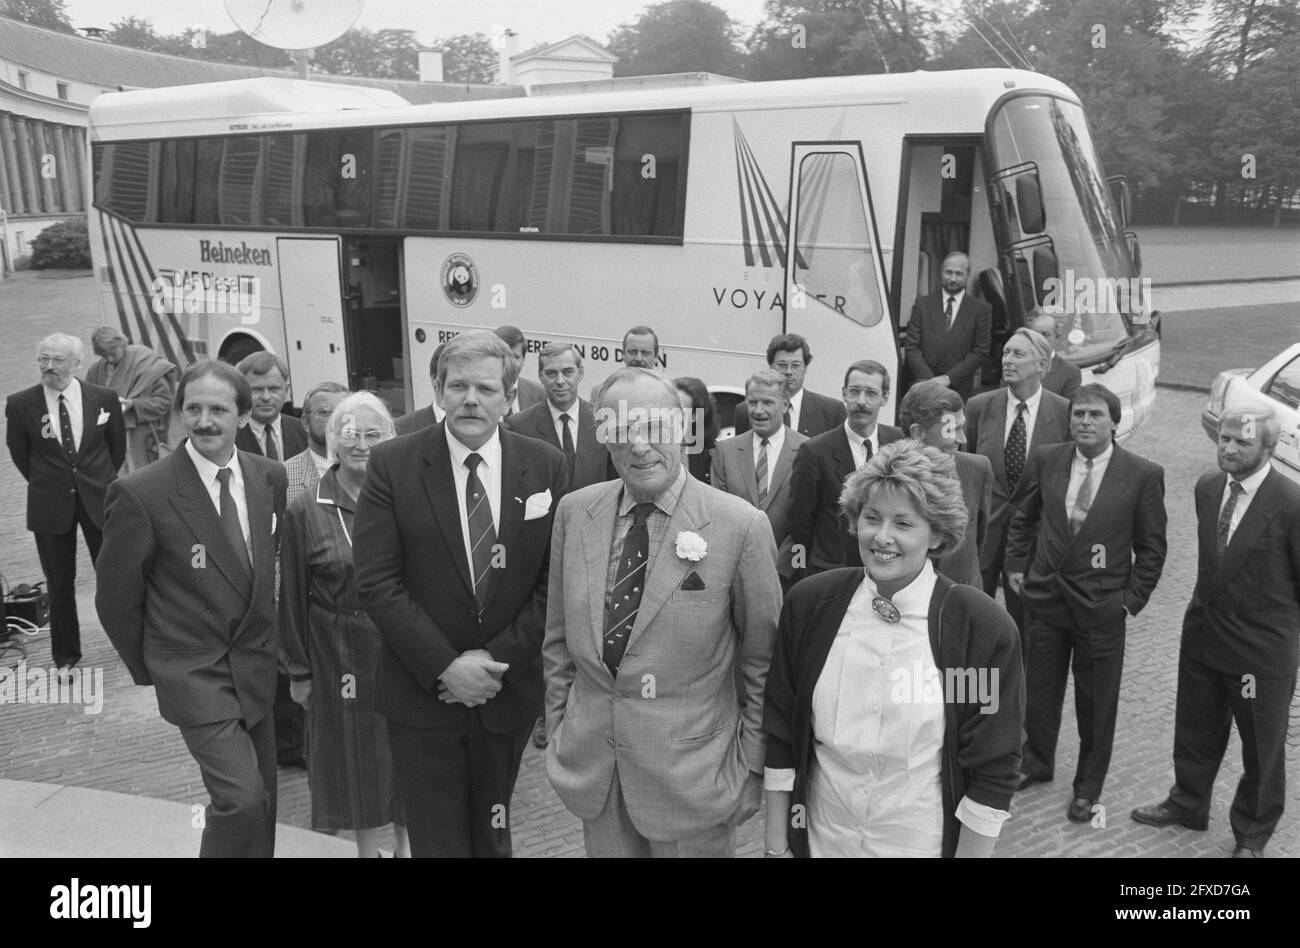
(383,54)
(1244,31)
(469,57)
(47,13)
(138,34)
(678,36)
(840,38)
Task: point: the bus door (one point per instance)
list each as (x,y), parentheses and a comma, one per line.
(314,329)
(835,290)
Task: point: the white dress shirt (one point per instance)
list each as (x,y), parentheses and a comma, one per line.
(208,475)
(72,395)
(489,473)
(259,433)
(1031,416)
(1250,487)
(1079,469)
(796,409)
(859,445)
(572,412)
(774,445)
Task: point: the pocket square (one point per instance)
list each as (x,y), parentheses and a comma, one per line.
(274,521)
(692,583)
(103,417)
(537,505)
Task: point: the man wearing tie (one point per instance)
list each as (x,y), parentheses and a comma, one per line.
(663,592)
(756,465)
(564,420)
(68,440)
(822,464)
(1097,514)
(186,593)
(1062,376)
(1004,425)
(269,431)
(1240,644)
(950,332)
(809,414)
(453,530)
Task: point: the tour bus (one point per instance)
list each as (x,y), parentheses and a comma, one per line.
(351,232)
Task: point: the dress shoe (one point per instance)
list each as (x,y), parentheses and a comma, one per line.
(1028,780)
(1245,852)
(539,734)
(1166,814)
(1080,810)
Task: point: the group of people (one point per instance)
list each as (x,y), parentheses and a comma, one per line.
(800,618)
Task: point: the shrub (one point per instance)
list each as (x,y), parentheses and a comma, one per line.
(62,246)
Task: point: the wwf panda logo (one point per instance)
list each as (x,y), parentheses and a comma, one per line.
(459,280)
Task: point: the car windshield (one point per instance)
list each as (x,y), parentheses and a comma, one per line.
(1095,297)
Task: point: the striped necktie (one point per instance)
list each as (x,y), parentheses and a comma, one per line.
(760,471)
(482,533)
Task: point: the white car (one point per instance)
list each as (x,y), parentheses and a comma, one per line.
(1275,385)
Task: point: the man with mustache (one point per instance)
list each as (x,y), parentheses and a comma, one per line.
(950,332)
(641,348)
(67,439)
(820,534)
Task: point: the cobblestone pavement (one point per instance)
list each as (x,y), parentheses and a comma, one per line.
(128,748)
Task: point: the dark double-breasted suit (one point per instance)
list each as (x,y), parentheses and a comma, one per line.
(186,618)
(932,348)
(1078,590)
(414,578)
(1240,648)
(593,463)
(64,491)
(821,466)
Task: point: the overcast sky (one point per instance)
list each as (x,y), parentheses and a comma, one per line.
(536,21)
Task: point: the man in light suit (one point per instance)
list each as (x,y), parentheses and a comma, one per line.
(1062,376)
(950,332)
(1097,514)
(1240,646)
(186,594)
(269,431)
(809,414)
(935,415)
(453,529)
(1005,425)
(304,469)
(738,462)
(661,587)
(527,392)
(564,420)
(822,464)
(68,440)
(431,414)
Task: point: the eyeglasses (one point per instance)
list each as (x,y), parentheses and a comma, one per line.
(51,360)
(352,436)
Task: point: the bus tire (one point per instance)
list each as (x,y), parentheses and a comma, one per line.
(239,348)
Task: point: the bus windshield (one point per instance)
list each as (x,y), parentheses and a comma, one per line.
(1095,296)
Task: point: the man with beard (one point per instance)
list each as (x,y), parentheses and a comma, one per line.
(949,333)
(820,534)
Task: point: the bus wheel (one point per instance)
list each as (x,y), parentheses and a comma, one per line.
(238,349)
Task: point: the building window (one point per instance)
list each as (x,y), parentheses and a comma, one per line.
(22,79)
(63,90)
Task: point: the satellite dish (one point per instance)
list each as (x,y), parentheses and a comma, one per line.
(298,26)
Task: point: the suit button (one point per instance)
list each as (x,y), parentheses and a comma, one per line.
(610,743)
(618,696)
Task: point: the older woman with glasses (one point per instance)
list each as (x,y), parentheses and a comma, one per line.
(329,644)
(895,697)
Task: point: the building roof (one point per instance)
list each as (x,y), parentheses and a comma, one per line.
(583,46)
(104,64)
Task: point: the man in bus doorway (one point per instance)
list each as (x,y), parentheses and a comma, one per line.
(809,414)
(950,332)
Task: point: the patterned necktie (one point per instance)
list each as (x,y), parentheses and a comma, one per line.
(1082,501)
(65,429)
(760,471)
(269,433)
(567,442)
(482,534)
(625,594)
(785,418)
(1013,456)
(230,522)
(866,443)
(1235,490)
(947,311)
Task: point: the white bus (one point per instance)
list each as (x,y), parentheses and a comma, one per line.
(351,232)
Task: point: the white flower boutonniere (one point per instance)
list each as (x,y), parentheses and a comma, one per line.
(691,546)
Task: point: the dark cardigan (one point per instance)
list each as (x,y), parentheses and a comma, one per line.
(981,752)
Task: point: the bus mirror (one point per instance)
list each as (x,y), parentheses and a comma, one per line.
(1046,269)
(1121,197)
(1029,203)
(1134,251)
